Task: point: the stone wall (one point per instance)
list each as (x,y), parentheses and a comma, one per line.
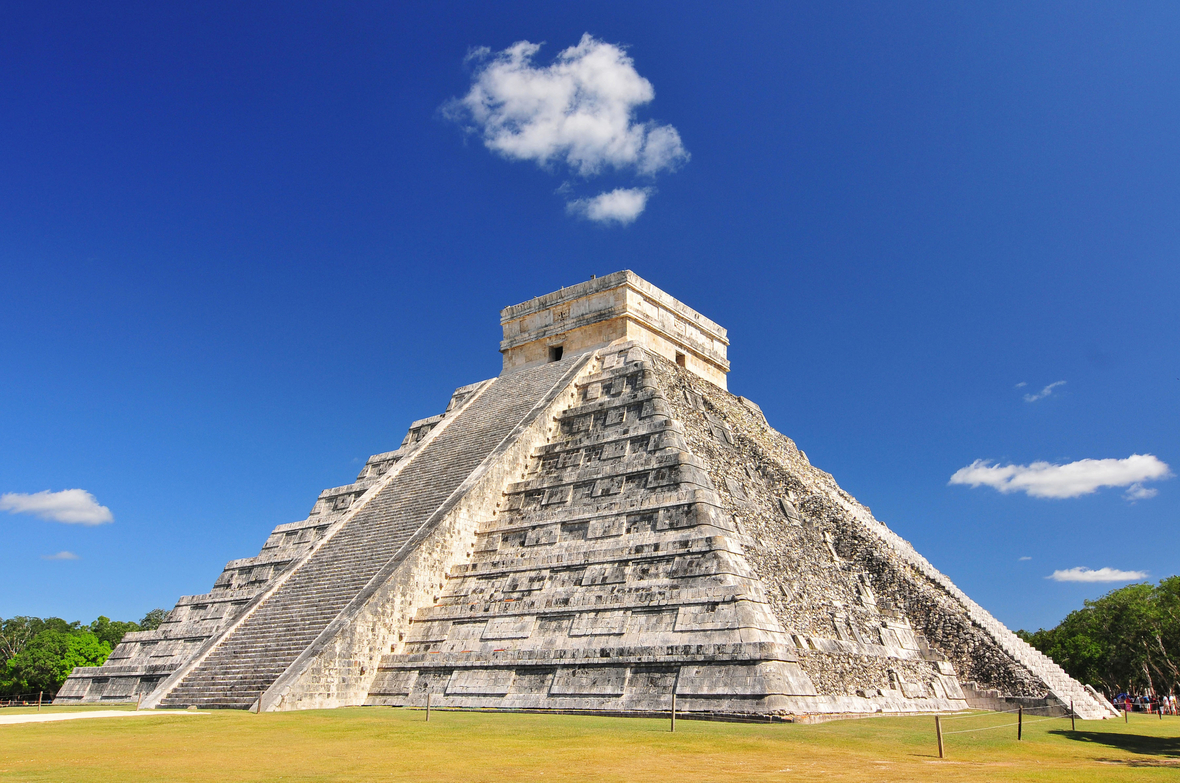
(616,573)
(339,669)
(621,306)
(836,573)
(145,659)
(851,646)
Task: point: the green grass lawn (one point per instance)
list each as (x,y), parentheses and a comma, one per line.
(375,744)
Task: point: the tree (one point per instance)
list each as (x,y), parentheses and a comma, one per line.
(1166,630)
(1126,641)
(50,656)
(38,654)
(151,621)
(111,632)
(15,633)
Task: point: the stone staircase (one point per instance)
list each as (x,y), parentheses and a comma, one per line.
(607,578)
(1064,687)
(250,656)
(1086,704)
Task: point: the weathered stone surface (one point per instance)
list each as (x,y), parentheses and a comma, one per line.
(595,532)
(622,306)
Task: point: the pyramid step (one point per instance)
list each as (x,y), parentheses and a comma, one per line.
(264,643)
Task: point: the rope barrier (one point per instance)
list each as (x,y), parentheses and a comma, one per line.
(1001,726)
(977,713)
(986,713)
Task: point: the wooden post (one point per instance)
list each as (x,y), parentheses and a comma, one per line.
(673,711)
(1073,717)
(39,700)
(1020,723)
(139,702)
(428,708)
(938,731)
(1125,718)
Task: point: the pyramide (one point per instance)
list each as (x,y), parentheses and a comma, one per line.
(598,528)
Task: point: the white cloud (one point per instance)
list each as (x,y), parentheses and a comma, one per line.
(1026,557)
(1043,393)
(1082,574)
(1139,492)
(578,111)
(63,555)
(1074,479)
(621,205)
(72,506)
(1022,384)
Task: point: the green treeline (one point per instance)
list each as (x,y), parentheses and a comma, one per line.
(1127,641)
(38,654)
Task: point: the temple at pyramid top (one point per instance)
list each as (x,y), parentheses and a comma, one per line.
(619,307)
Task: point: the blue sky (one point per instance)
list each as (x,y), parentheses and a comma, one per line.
(242,246)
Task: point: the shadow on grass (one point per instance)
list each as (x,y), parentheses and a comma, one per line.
(1168,747)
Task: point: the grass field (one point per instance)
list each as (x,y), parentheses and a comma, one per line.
(377,744)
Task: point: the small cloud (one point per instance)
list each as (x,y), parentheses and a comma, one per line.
(1071,480)
(62,555)
(1026,557)
(621,205)
(1140,492)
(71,506)
(1043,393)
(1082,574)
(1022,384)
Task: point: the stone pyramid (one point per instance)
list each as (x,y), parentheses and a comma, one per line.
(601,526)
